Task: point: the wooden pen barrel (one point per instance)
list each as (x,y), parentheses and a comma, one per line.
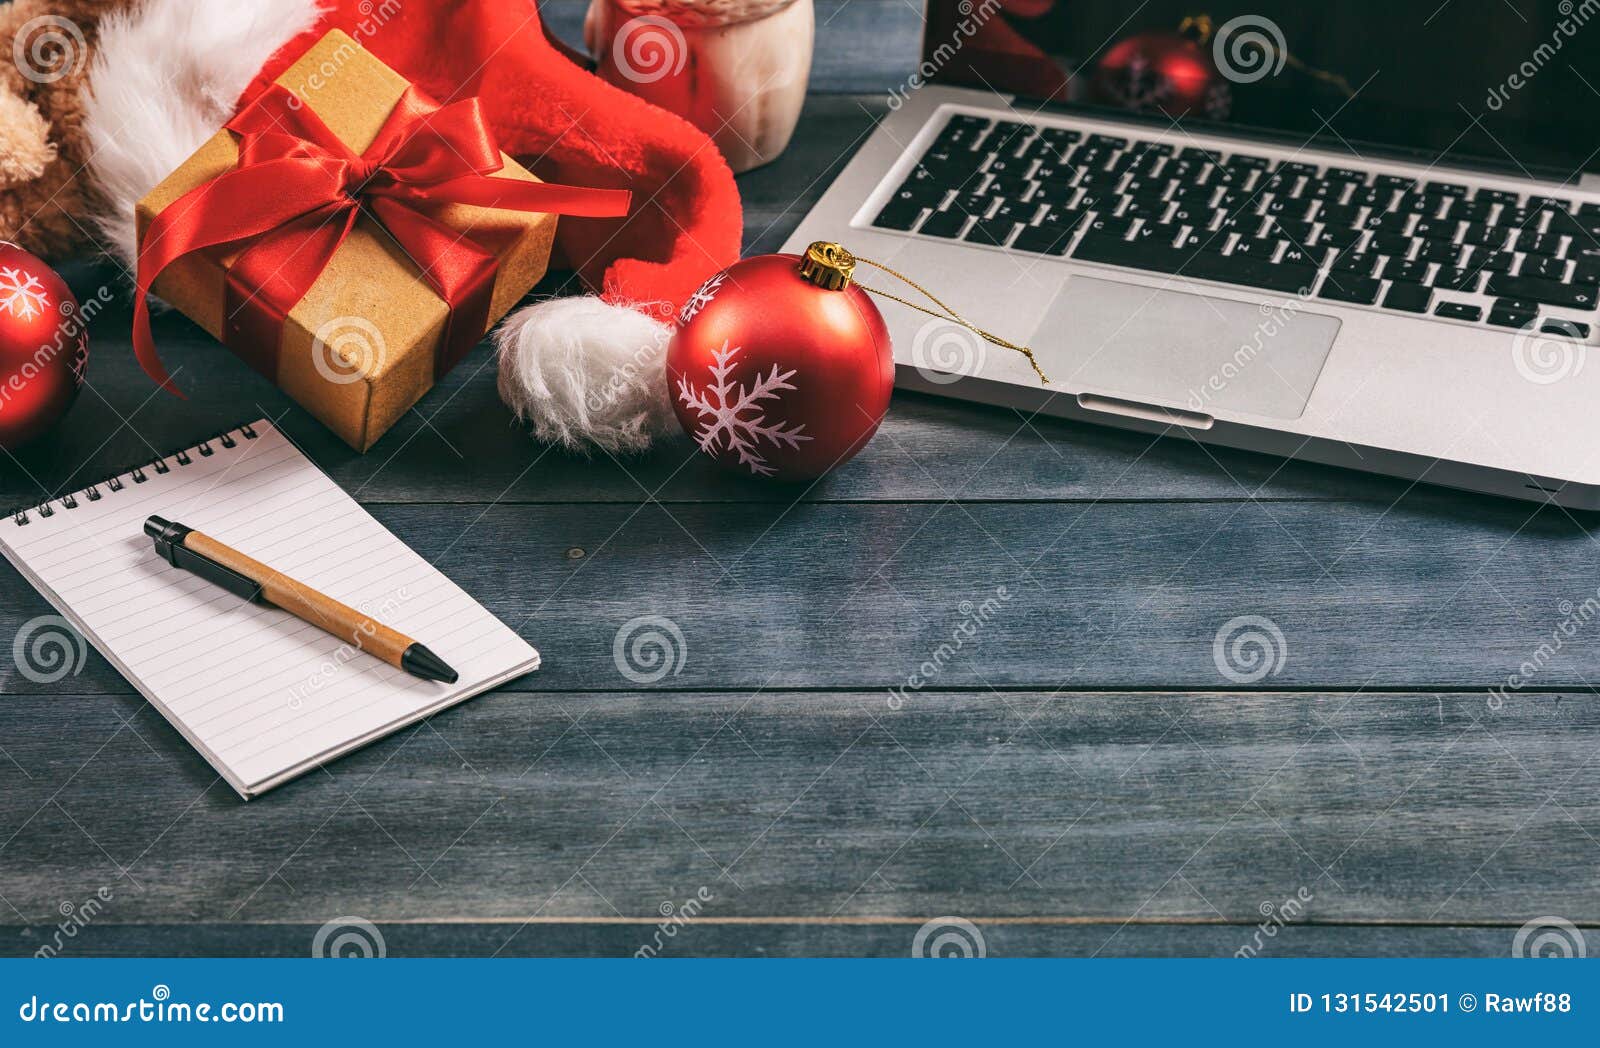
(341,620)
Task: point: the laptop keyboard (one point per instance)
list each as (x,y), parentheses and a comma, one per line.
(1420,247)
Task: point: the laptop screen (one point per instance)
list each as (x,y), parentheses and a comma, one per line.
(1514,83)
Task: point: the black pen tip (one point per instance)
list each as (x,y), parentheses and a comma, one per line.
(154,526)
(424,663)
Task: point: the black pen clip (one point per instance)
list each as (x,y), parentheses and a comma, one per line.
(169,538)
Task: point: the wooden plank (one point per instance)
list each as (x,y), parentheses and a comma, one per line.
(707,938)
(1111,595)
(1386,808)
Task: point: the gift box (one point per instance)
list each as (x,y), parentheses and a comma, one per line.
(373,330)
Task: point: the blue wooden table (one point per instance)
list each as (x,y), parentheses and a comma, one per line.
(983,672)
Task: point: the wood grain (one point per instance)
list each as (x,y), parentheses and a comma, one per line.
(709,938)
(1096,808)
(1107,595)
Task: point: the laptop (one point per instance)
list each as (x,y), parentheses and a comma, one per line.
(1364,234)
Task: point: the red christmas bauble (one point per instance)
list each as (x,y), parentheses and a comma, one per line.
(776,376)
(44,347)
(1171,73)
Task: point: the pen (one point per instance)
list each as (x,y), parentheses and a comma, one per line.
(185,548)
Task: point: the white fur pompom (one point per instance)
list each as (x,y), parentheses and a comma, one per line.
(165,77)
(587,373)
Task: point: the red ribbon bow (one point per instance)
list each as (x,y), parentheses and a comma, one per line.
(295,195)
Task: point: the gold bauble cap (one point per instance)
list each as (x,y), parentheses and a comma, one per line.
(828,265)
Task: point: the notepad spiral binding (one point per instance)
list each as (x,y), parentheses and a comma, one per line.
(136,475)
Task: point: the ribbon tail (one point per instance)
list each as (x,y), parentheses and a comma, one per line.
(239,204)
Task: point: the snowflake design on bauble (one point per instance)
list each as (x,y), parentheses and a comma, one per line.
(700,299)
(1139,86)
(734,417)
(21,294)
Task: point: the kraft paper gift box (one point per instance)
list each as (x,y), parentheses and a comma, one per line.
(381,324)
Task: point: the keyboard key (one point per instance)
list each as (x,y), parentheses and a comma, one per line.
(1470,211)
(1438,251)
(947,224)
(1543,267)
(1356,263)
(1490,261)
(1413,298)
(1390,244)
(1457,311)
(1446,189)
(1144,207)
(1569,328)
(1295,255)
(1502,316)
(1262,249)
(1545,203)
(993,231)
(900,213)
(1347,287)
(1339,215)
(1345,174)
(1496,196)
(1547,244)
(1402,271)
(1051,239)
(1251,273)
(1339,238)
(1443,229)
(1573,296)
(1452,279)
(1476,235)
(1113,250)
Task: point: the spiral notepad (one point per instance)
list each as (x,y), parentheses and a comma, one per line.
(262,695)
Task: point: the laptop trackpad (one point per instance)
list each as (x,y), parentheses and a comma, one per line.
(1201,353)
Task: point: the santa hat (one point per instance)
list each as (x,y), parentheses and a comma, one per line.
(168,74)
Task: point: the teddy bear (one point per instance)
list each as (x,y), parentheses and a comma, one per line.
(45,191)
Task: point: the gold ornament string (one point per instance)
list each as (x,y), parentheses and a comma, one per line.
(948,314)
(1199,27)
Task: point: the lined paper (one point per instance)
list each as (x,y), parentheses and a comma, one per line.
(262,695)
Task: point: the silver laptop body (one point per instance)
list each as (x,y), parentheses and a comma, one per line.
(1506,411)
